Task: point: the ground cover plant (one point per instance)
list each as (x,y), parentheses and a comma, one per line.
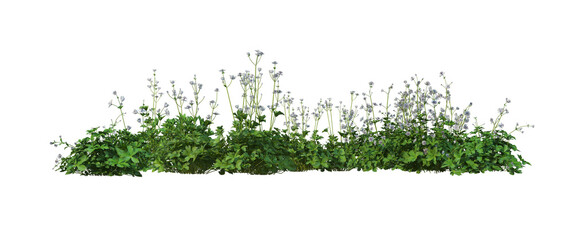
(416,136)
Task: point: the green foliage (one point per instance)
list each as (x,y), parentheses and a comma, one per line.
(106,152)
(187,144)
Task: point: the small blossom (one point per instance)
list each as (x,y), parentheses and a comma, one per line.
(216,90)
(441,74)
(370,139)
(371,83)
(274,62)
(425,151)
(423,142)
(114,92)
(507,100)
(222,71)
(166,105)
(135,111)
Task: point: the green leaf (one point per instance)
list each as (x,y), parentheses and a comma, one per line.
(82,168)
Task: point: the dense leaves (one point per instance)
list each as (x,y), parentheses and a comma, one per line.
(187,145)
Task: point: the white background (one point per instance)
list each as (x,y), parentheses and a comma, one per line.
(61,60)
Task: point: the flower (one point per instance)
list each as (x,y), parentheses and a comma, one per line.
(370,139)
(114,92)
(423,142)
(425,151)
(172,81)
(274,62)
(441,74)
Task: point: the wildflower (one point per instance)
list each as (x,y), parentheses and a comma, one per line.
(122,98)
(154,70)
(222,71)
(166,105)
(110,103)
(441,74)
(114,92)
(467,113)
(128,127)
(423,142)
(407,133)
(371,83)
(274,62)
(216,90)
(501,125)
(135,111)
(259,53)
(507,100)
(427,83)
(370,139)
(172,82)
(139,120)
(425,151)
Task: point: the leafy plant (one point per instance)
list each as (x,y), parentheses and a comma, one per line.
(416,136)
